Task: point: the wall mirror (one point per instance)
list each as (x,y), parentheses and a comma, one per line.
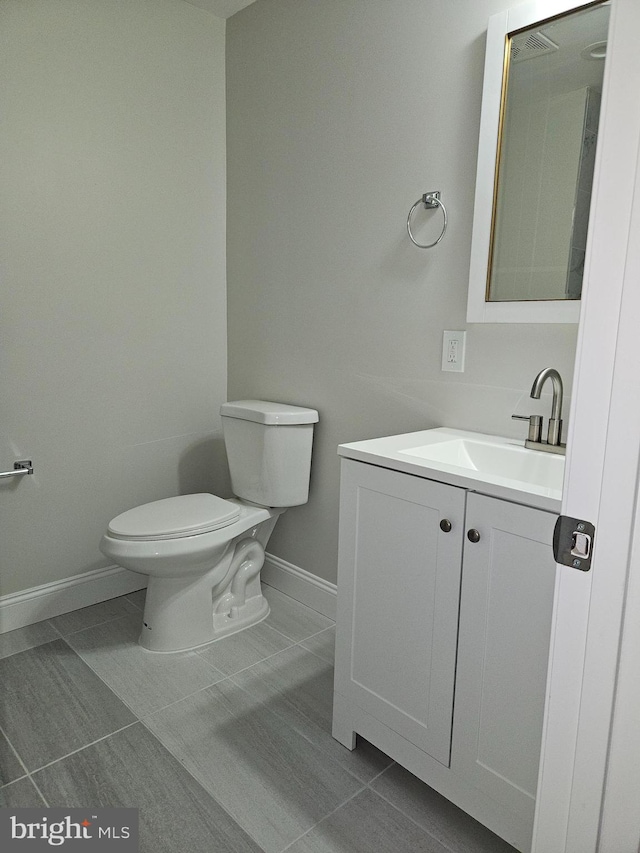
(544,72)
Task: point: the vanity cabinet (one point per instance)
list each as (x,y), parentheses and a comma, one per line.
(442,642)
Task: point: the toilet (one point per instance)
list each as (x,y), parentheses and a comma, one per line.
(203,554)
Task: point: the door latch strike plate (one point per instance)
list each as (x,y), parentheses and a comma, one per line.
(573,542)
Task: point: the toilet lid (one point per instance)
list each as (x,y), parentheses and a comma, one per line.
(171,518)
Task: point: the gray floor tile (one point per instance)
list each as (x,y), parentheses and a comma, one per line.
(10,767)
(26,638)
(298,686)
(291,618)
(231,654)
(323,644)
(137,598)
(96,614)
(366,824)
(271,779)
(146,681)
(52,703)
(20,795)
(457,830)
(132,769)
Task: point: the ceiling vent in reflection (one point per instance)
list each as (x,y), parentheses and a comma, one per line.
(527,45)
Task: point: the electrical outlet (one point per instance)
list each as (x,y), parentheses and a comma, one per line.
(453,346)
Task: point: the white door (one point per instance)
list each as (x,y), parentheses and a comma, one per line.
(601,483)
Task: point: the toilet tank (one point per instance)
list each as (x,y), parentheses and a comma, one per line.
(269,451)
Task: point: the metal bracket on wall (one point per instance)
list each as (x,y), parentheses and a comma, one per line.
(23,466)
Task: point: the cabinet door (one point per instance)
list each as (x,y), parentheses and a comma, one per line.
(398,598)
(508,582)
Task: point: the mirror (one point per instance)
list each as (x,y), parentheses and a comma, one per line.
(541,104)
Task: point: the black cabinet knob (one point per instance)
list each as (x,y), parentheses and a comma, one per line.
(445,525)
(473,535)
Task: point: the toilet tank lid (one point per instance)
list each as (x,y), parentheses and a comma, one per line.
(263,412)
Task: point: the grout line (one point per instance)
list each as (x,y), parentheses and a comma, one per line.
(145,717)
(275,654)
(99,624)
(17,755)
(296,603)
(30,648)
(326,817)
(86,745)
(53,627)
(326,660)
(445,846)
(291,640)
(35,785)
(321,631)
(199,650)
(262,660)
(381,772)
(26,769)
(317,634)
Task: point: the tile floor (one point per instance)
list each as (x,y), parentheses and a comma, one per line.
(223,750)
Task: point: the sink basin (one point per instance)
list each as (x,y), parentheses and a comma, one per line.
(501,467)
(496,460)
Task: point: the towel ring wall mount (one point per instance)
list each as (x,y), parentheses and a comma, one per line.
(430,200)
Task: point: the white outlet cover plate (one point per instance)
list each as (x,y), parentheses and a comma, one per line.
(453,350)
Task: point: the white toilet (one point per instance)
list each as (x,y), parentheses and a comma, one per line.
(202,553)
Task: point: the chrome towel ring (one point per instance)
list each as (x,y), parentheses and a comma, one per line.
(430,200)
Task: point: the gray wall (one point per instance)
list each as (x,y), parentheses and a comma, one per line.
(340,114)
(112,299)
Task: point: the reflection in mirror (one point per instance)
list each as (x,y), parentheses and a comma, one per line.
(549,126)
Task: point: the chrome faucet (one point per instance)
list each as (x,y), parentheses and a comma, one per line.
(555,421)
(553,443)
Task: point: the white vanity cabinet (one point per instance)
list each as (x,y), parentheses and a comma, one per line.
(442,642)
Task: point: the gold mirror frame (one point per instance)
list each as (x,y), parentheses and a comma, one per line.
(502,27)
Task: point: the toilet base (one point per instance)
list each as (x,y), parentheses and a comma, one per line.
(183,613)
(254,610)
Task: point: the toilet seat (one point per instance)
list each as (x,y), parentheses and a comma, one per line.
(174,518)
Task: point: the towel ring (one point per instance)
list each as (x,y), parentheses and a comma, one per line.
(430,200)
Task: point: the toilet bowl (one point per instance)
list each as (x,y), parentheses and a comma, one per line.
(202,553)
(202,585)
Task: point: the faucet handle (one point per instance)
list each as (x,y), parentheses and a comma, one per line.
(555,431)
(535,426)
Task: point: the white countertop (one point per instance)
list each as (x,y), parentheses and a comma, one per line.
(489,464)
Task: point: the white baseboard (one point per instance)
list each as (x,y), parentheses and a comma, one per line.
(316,593)
(53,599)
